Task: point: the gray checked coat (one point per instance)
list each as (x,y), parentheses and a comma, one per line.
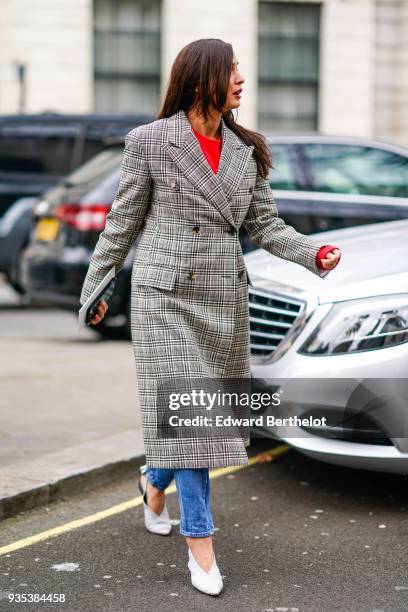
(189,286)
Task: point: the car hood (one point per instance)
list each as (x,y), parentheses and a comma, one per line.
(374,261)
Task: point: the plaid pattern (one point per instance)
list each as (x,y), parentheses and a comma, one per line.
(189,294)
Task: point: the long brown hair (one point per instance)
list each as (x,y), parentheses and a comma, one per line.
(207,62)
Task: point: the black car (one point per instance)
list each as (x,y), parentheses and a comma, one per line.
(71,216)
(36,151)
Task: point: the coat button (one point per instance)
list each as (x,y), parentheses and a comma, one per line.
(241,273)
(231,230)
(193,275)
(196,229)
(251,190)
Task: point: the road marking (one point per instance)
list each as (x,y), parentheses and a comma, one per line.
(132,503)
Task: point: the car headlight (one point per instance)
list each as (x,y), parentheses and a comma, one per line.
(360,325)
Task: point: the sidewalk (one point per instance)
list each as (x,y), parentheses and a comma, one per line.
(69,414)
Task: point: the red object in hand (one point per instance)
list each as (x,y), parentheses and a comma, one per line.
(322,254)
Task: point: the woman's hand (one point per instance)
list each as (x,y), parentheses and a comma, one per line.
(100,313)
(331,260)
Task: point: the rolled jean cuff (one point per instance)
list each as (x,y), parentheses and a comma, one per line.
(190,534)
(157,485)
(157,481)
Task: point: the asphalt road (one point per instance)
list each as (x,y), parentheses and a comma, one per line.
(56,388)
(293,535)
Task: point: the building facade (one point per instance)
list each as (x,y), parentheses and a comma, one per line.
(337,66)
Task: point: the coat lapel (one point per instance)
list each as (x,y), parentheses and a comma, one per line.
(185,150)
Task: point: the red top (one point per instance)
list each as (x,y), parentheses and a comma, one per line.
(212,150)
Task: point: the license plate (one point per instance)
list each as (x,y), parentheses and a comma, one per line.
(47,228)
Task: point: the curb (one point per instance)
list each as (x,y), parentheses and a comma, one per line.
(29,484)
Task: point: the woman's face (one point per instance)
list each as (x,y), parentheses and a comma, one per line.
(235,85)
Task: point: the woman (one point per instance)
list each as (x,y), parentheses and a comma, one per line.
(189,180)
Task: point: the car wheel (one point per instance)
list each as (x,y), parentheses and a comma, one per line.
(17,288)
(128,327)
(110,333)
(14,275)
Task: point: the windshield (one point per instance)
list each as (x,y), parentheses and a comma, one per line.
(96,168)
(45,155)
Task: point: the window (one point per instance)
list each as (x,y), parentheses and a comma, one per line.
(127,55)
(96,168)
(356,169)
(37,149)
(281,176)
(288,55)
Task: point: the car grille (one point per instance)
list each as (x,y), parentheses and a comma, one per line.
(359,427)
(271,317)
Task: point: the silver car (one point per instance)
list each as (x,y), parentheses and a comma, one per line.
(337,347)
(325,182)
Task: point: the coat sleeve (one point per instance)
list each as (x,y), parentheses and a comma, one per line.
(269,231)
(125,217)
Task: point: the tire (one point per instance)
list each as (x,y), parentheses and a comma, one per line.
(128,328)
(15,271)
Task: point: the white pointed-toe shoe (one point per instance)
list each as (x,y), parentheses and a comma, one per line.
(159,524)
(206,582)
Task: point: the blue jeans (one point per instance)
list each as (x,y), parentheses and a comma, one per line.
(193,491)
